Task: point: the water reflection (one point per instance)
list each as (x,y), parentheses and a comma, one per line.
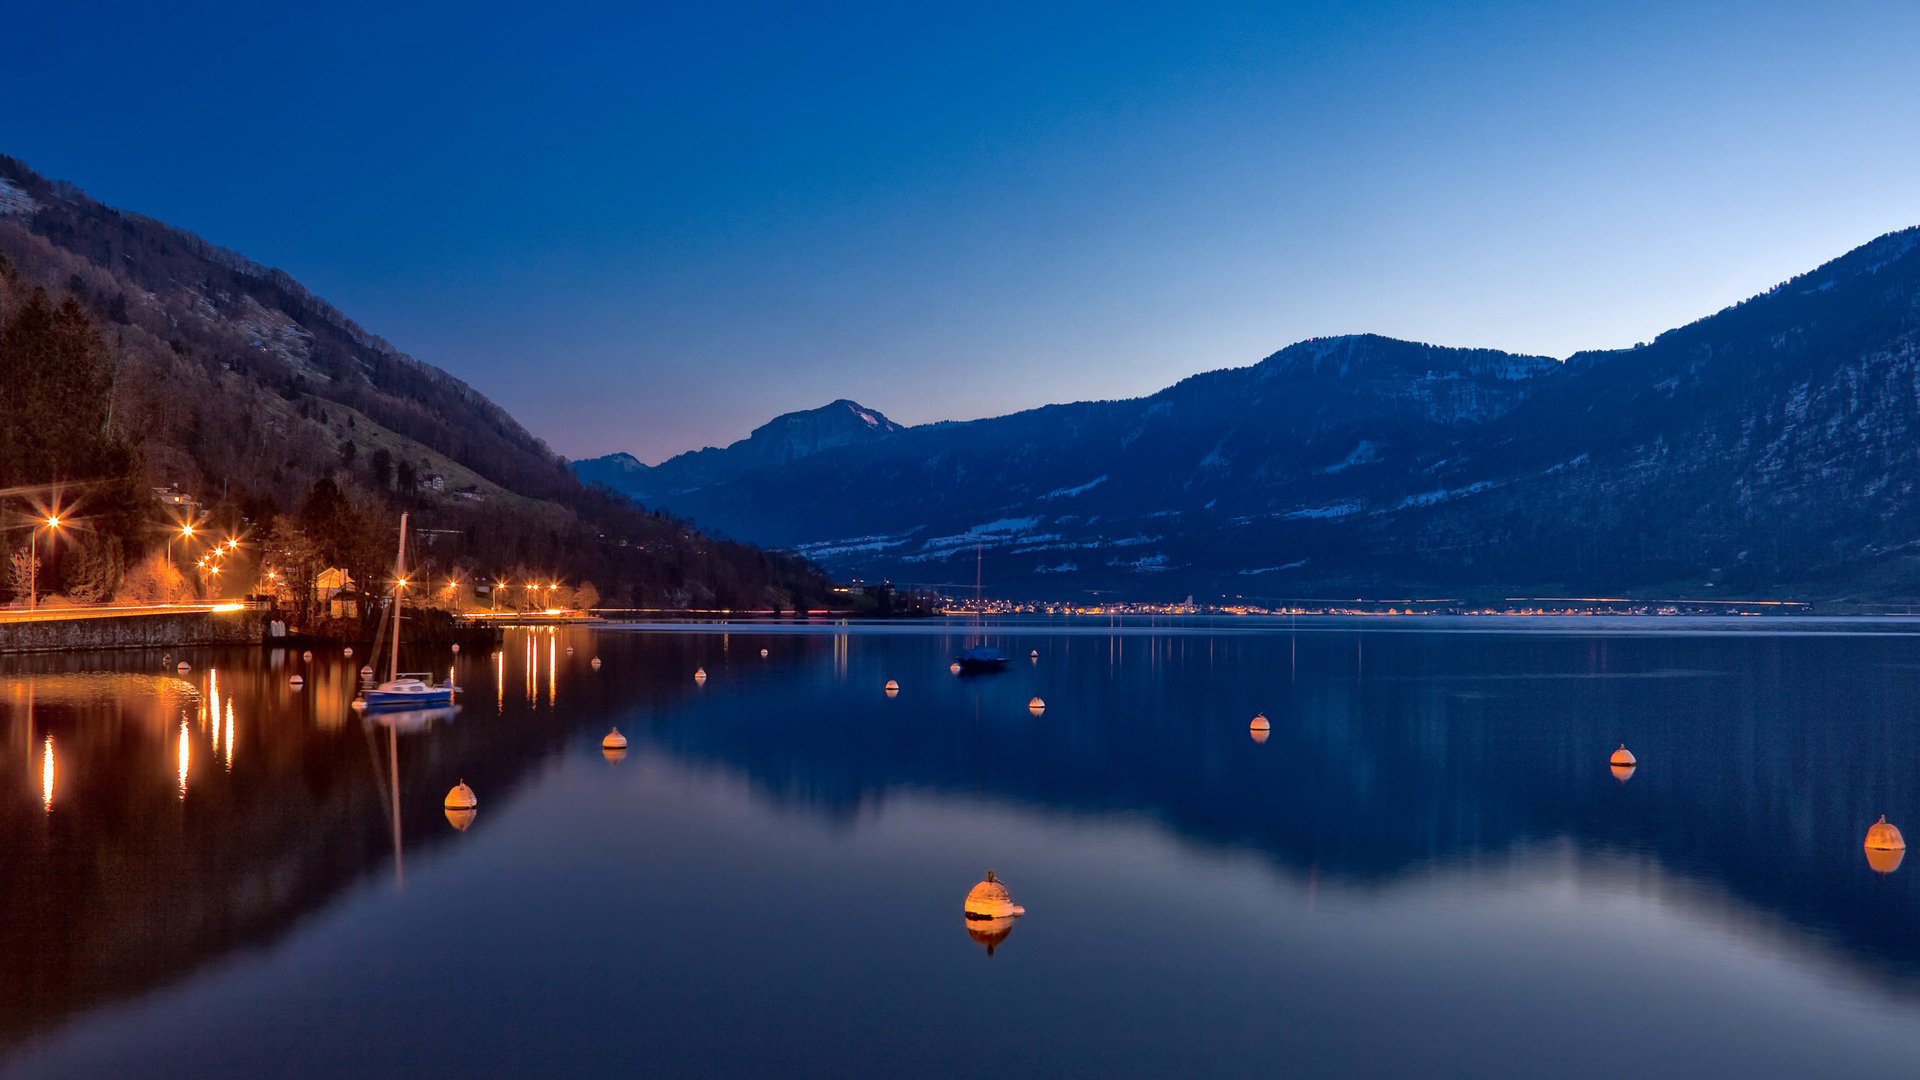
(1441,775)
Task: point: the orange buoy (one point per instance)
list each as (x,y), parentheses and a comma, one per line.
(1036,706)
(699,674)
(1886,848)
(954,667)
(462,798)
(991,900)
(763,652)
(460,819)
(594,663)
(1623,756)
(1260,723)
(1884,837)
(614,741)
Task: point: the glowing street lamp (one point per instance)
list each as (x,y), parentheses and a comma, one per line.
(498,588)
(52,524)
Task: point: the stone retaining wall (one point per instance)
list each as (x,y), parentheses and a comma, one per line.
(134,632)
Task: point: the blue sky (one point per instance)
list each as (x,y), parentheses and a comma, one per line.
(652,228)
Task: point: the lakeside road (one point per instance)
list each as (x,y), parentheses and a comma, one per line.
(66,614)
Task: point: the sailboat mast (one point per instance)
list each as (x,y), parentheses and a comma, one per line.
(399,586)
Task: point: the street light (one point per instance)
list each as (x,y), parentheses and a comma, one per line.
(184,532)
(498,588)
(33,559)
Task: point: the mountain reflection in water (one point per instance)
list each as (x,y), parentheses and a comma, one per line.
(162,826)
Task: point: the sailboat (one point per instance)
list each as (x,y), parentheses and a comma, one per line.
(404,690)
(983,657)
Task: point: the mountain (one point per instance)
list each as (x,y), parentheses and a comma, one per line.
(780,441)
(1773,445)
(235,386)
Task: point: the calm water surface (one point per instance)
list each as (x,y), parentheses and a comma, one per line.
(1427,869)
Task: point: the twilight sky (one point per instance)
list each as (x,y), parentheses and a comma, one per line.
(652,227)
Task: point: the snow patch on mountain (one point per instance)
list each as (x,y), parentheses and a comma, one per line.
(15,200)
(1070,492)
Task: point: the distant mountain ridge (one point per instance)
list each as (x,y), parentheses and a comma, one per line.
(784,439)
(1773,445)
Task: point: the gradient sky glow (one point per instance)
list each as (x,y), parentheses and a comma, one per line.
(652,228)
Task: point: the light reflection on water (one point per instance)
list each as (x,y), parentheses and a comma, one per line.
(1427,864)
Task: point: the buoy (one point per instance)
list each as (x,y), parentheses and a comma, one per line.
(1259,734)
(991,900)
(456,650)
(296,682)
(367,672)
(1884,837)
(569,650)
(461,818)
(347,652)
(614,741)
(954,667)
(1036,706)
(595,662)
(1886,848)
(1260,723)
(183,668)
(892,688)
(699,674)
(1623,756)
(462,798)
(1034,655)
(763,652)
(308,655)
(167,659)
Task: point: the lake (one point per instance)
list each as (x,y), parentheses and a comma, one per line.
(1426,868)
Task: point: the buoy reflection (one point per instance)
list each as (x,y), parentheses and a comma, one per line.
(1622,773)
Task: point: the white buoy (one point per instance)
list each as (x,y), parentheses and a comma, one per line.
(569,650)
(1036,706)
(347,652)
(1034,655)
(296,682)
(462,797)
(184,667)
(763,652)
(596,662)
(367,672)
(456,649)
(308,655)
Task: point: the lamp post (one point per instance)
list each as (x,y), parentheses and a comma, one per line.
(184,532)
(52,523)
(498,588)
